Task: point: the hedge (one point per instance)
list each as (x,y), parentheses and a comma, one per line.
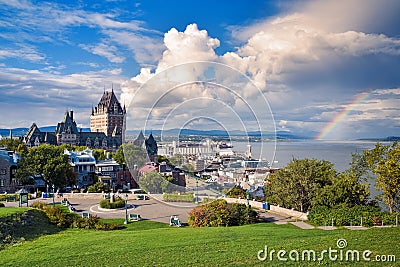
(106,204)
(70,220)
(344,216)
(178,198)
(11,197)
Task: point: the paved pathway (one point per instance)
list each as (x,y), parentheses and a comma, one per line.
(151,209)
(273,217)
(356,227)
(327,227)
(302,225)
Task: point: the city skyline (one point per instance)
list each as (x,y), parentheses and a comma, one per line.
(328,69)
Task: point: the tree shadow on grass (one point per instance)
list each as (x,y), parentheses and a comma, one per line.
(25,226)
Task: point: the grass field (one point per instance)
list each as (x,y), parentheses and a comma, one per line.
(148,243)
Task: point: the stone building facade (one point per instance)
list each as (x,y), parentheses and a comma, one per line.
(107,124)
(8,167)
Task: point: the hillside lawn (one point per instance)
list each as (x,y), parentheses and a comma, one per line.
(148,243)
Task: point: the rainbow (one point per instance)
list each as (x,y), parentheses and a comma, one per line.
(342,115)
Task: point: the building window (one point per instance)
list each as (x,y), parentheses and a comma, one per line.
(1,182)
(3,171)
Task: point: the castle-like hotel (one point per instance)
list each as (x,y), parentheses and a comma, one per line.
(107,128)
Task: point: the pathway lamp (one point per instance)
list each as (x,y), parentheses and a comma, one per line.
(126,209)
(53,195)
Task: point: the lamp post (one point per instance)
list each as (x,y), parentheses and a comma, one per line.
(53,195)
(197,190)
(126,209)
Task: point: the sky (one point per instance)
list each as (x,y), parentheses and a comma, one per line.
(321,69)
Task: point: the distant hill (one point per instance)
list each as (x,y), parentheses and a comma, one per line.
(21,131)
(218,133)
(385,139)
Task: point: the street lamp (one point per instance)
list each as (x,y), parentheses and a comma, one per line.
(197,190)
(126,209)
(53,195)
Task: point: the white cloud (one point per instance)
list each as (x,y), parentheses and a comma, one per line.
(108,51)
(187,46)
(26,18)
(43,97)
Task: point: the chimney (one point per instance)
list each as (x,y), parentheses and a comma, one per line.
(71,114)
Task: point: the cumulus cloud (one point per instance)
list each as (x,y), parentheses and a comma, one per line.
(294,58)
(180,47)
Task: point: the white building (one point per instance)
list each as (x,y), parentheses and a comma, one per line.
(83,163)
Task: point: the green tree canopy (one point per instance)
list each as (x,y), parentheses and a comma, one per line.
(13,144)
(153,182)
(384,161)
(176,160)
(131,155)
(48,161)
(296,185)
(345,190)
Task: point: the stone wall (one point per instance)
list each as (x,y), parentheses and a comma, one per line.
(275,209)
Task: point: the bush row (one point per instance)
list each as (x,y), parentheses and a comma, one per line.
(106,204)
(178,198)
(221,213)
(70,220)
(11,197)
(343,216)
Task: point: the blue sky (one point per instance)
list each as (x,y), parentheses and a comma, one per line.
(310,59)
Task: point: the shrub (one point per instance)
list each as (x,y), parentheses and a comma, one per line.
(70,220)
(106,204)
(221,213)
(11,197)
(351,216)
(2,205)
(236,192)
(98,188)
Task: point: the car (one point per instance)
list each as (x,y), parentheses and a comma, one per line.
(137,191)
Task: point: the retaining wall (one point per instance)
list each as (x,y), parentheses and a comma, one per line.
(280,210)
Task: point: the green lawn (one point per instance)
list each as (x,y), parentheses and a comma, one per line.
(10,210)
(147,243)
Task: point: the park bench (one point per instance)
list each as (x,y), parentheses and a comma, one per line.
(64,202)
(71,208)
(134,217)
(86,215)
(174,221)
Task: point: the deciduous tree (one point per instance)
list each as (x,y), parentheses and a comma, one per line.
(48,161)
(384,161)
(296,185)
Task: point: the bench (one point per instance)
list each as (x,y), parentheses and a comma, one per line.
(64,202)
(71,208)
(134,217)
(174,221)
(86,215)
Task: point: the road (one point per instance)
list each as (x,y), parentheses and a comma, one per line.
(151,209)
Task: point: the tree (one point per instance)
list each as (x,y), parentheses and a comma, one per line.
(176,160)
(296,185)
(13,144)
(384,161)
(100,154)
(153,182)
(48,161)
(345,190)
(130,155)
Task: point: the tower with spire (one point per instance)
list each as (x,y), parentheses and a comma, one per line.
(109,117)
